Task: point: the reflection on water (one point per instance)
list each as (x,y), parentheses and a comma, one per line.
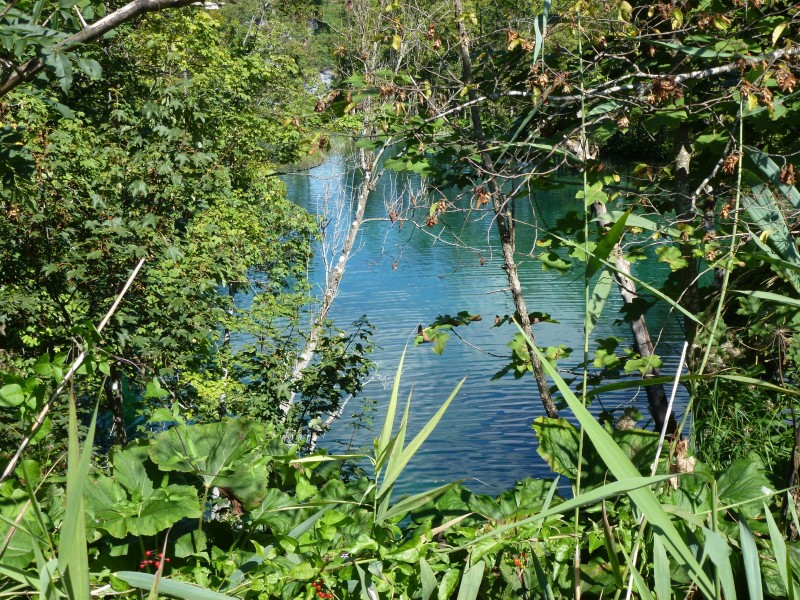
(400,278)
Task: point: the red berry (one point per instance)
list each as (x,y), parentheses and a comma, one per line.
(158,565)
(167,559)
(148,553)
(160,555)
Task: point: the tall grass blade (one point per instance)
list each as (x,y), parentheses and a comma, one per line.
(641,585)
(388,423)
(752,564)
(407,453)
(593,496)
(544,581)
(778,298)
(73,559)
(717,549)
(623,469)
(308,523)
(780,552)
(611,549)
(471,582)
(661,575)
(18,575)
(177,589)
(406,505)
(764,211)
(771,169)
(400,439)
(606,244)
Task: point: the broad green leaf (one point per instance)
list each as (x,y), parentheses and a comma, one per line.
(11,395)
(427,579)
(129,469)
(743,480)
(223,454)
(143,514)
(593,193)
(448,584)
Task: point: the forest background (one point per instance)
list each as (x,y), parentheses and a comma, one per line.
(146,451)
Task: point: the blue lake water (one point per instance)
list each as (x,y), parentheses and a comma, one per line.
(402,277)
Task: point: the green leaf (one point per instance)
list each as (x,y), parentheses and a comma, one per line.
(73,562)
(606,244)
(90,66)
(717,549)
(471,582)
(11,395)
(592,194)
(752,564)
(661,574)
(406,505)
(448,584)
(223,454)
(672,256)
(743,480)
(395,468)
(427,579)
(779,551)
(597,301)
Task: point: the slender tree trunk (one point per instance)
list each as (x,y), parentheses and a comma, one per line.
(656,396)
(369,166)
(502,212)
(113,389)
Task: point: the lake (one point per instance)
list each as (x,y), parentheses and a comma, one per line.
(402,277)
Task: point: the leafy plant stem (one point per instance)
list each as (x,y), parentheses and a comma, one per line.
(725,279)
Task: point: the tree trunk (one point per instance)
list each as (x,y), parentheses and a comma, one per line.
(656,396)
(685,213)
(369,166)
(502,212)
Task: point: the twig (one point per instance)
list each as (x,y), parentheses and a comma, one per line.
(76,364)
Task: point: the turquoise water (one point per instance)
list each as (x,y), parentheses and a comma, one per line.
(400,278)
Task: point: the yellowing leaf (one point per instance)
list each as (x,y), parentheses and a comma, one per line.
(764,235)
(677,18)
(776,33)
(397,41)
(752,102)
